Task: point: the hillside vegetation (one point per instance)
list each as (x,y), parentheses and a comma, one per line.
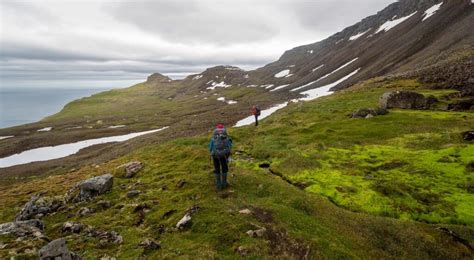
(335,187)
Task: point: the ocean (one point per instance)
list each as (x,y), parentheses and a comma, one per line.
(22,106)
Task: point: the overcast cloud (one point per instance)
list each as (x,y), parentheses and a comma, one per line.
(116,43)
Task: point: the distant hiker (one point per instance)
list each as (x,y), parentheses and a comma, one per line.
(220,147)
(256,113)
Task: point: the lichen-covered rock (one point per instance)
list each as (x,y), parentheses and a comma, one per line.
(73,227)
(27,228)
(131,169)
(38,207)
(57,249)
(133,193)
(90,188)
(405,100)
(257,233)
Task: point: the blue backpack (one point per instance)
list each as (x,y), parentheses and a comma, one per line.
(221,144)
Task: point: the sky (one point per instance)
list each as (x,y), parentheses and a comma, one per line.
(85,44)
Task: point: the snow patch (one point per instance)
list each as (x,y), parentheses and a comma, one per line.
(279,87)
(289,75)
(252,86)
(197,77)
(357,36)
(310,51)
(63,150)
(46,129)
(432,10)
(215,85)
(391,24)
(221,99)
(263,114)
(317,68)
(267,86)
(282,73)
(116,126)
(324,90)
(325,76)
(6,137)
(230,102)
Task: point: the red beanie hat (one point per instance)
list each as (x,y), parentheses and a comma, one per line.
(220,126)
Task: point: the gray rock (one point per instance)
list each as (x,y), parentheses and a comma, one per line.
(57,249)
(468,136)
(27,228)
(149,244)
(363,113)
(85,211)
(90,188)
(405,100)
(133,193)
(73,227)
(131,168)
(257,233)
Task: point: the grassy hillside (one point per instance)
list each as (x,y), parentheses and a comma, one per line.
(376,176)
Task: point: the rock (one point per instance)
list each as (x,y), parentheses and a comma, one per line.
(369,116)
(149,244)
(468,136)
(184,222)
(168,213)
(85,211)
(133,193)
(26,228)
(257,233)
(90,188)
(180,184)
(105,237)
(38,207)
(193,209)
(363,112)
(57,249)
(245,211)
(462,105)
(73,227)
(131,168)
(241,250)
(405,100)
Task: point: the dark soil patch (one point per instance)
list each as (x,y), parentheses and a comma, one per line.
(264,165)
(283,246)
(262,215)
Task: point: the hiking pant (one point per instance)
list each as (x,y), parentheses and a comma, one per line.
(256,120)
(220,170)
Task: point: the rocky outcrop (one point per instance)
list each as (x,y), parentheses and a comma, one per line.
(405,100)
(90,188)
(149,244)
(185,221)
(462,105)
(130,169)
(27,228)
(38,206)
(157,78)
(57,249)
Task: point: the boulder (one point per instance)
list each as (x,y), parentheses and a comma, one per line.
(90,188)
(85,211)
(462,105)
(131,169)
(405,100)
(245,211)
(27,228)
(57,249)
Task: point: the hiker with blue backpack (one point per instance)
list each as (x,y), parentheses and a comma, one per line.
(220,147)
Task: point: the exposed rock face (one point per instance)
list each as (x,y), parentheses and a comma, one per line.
(90,188)
(38,207)
(131,168)
(57,249)
(405,100)
(27,228)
